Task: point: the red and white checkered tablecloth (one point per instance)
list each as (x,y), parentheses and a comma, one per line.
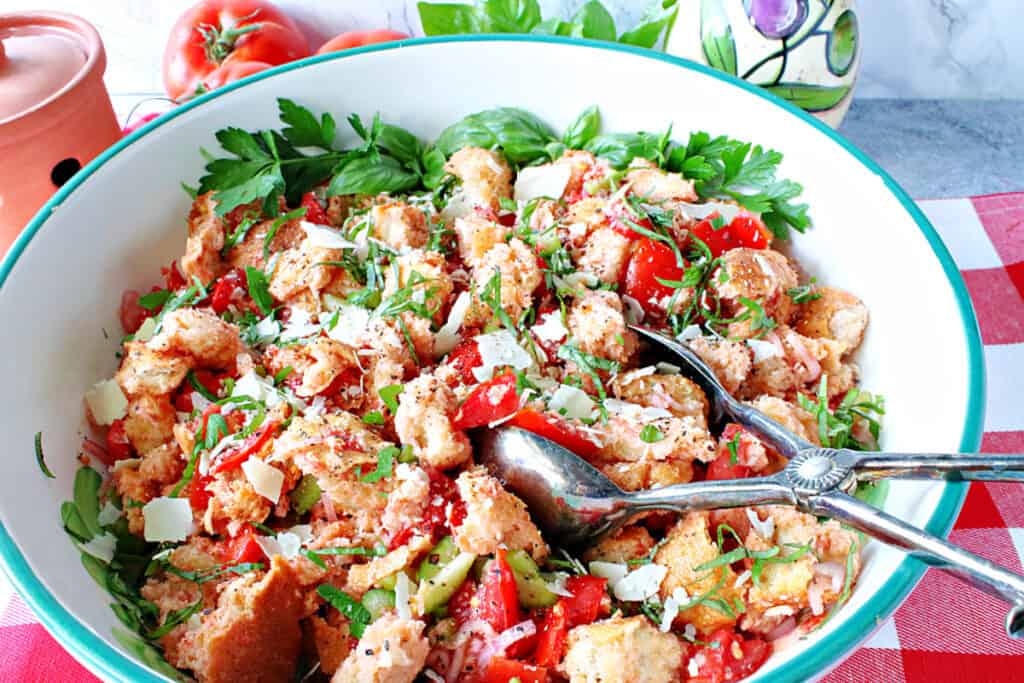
(945,631)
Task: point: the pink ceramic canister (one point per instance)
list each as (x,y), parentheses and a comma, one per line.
(55,113)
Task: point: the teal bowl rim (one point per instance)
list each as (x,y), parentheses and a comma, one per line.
(103,658)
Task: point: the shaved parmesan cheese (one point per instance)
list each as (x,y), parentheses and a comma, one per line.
(101,547)
(557,585)
(167,519)
(764,265)
(638,373)
(325,237)
(106,402)
(667,368)
(763,350)
(701,211)
(499,349)
(108,514)
(670,609)
(350,325)
(765,529)
(146,330)
(258,388)
(131,463)
(265,479)
(548,181)
(634,311)
(574,280)
(458,206)
(285,544)
(404,588)
(571,402)
(551,328)
(448,336)
(266,330)
(635,411)
(613,571)
(641,583)
(742,579)
(690,332)
(299,325)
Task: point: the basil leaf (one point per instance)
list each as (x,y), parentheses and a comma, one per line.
(401,144)
(385,465)
(175,619)
(552,27)
(595,22)
(520,134)
(657,20)
(621,148)
(583,129)
(154,300)
(389,395)
(259,289)
(365,175)
(512,16)
(440,19)
(349,607)
(433,161)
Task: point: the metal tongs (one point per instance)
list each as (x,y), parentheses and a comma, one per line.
(575,503)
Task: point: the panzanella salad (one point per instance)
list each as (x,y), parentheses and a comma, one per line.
(288,488)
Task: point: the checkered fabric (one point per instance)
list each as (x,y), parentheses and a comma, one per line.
(945,631)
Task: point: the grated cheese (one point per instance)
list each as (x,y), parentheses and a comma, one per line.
(325,237)
(534,182)
(499,349)
(265,479)
(448,336)
(167,519)
(299,325)
(267,330)
(551,328)
(106,402)
(101,547)
(641,583)
(571,402)
(765,529)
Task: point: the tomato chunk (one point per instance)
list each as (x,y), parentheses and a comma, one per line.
(198,495)
(498,597)
(118,446)
(554,633)
(173,277)
(242,548)
(493,400)
(745,230)
(589,599)
(249,447)
(210,381)
(314,212)
(231,288)
(651,260)
(463,358)
(559,431)
(725,466)
(733,659)
(502,670)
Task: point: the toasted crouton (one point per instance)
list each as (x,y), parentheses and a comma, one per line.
(604,255)
(424,421)
(399,225)
(392,650)
(674,393)
(835,314)
(599,326)
(628,543)
(494,518)
(519,274)
(200,334)
(149,422)
(206,229)
(763,276)
(254,632)
(476,236)
(624,650)
(485,176)
(658,186)
(145,371)
(730,360)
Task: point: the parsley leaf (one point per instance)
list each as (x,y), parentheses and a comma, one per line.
(303,130)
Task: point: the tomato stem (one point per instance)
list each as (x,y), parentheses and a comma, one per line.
(219,42)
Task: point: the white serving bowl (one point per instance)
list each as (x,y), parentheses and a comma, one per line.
(115,223)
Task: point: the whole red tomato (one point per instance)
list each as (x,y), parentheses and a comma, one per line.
(231,71)
(214,33)
(350,39)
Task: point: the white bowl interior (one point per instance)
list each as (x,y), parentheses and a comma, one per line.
(127,219)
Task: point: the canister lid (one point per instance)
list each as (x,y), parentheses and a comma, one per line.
(37,60)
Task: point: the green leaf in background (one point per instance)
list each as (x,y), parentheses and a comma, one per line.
(512,16)
(657,22)
(621,148)
(365,175)
(552,27)
(594,21)
(440,19)
(841,48)
(716,36)
(87,499)
(810,97)
(519,133)
(583,129)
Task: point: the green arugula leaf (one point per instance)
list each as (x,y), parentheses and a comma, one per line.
(175,619)
(87,499)
(259,289)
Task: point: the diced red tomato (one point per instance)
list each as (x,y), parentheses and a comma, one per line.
(556,429)
(173,277)
(746,230)
(439,519)
(242,548)
(198,495)
(460,605)
(463,358)
(723,467)
(250,446)
(502,670)
(589,599)
(733,659)
(554,633)
(118,446)
(131,314)
(498,599)
(649,261)
(231,288)
(493,400)
(314,212)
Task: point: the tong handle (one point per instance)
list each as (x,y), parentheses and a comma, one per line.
(934,551)
(948,466)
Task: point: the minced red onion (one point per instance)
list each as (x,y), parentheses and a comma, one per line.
(834,571)
(498,645)
(783,629)
(329,511)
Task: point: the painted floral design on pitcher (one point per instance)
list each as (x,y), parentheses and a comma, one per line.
(802,50)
